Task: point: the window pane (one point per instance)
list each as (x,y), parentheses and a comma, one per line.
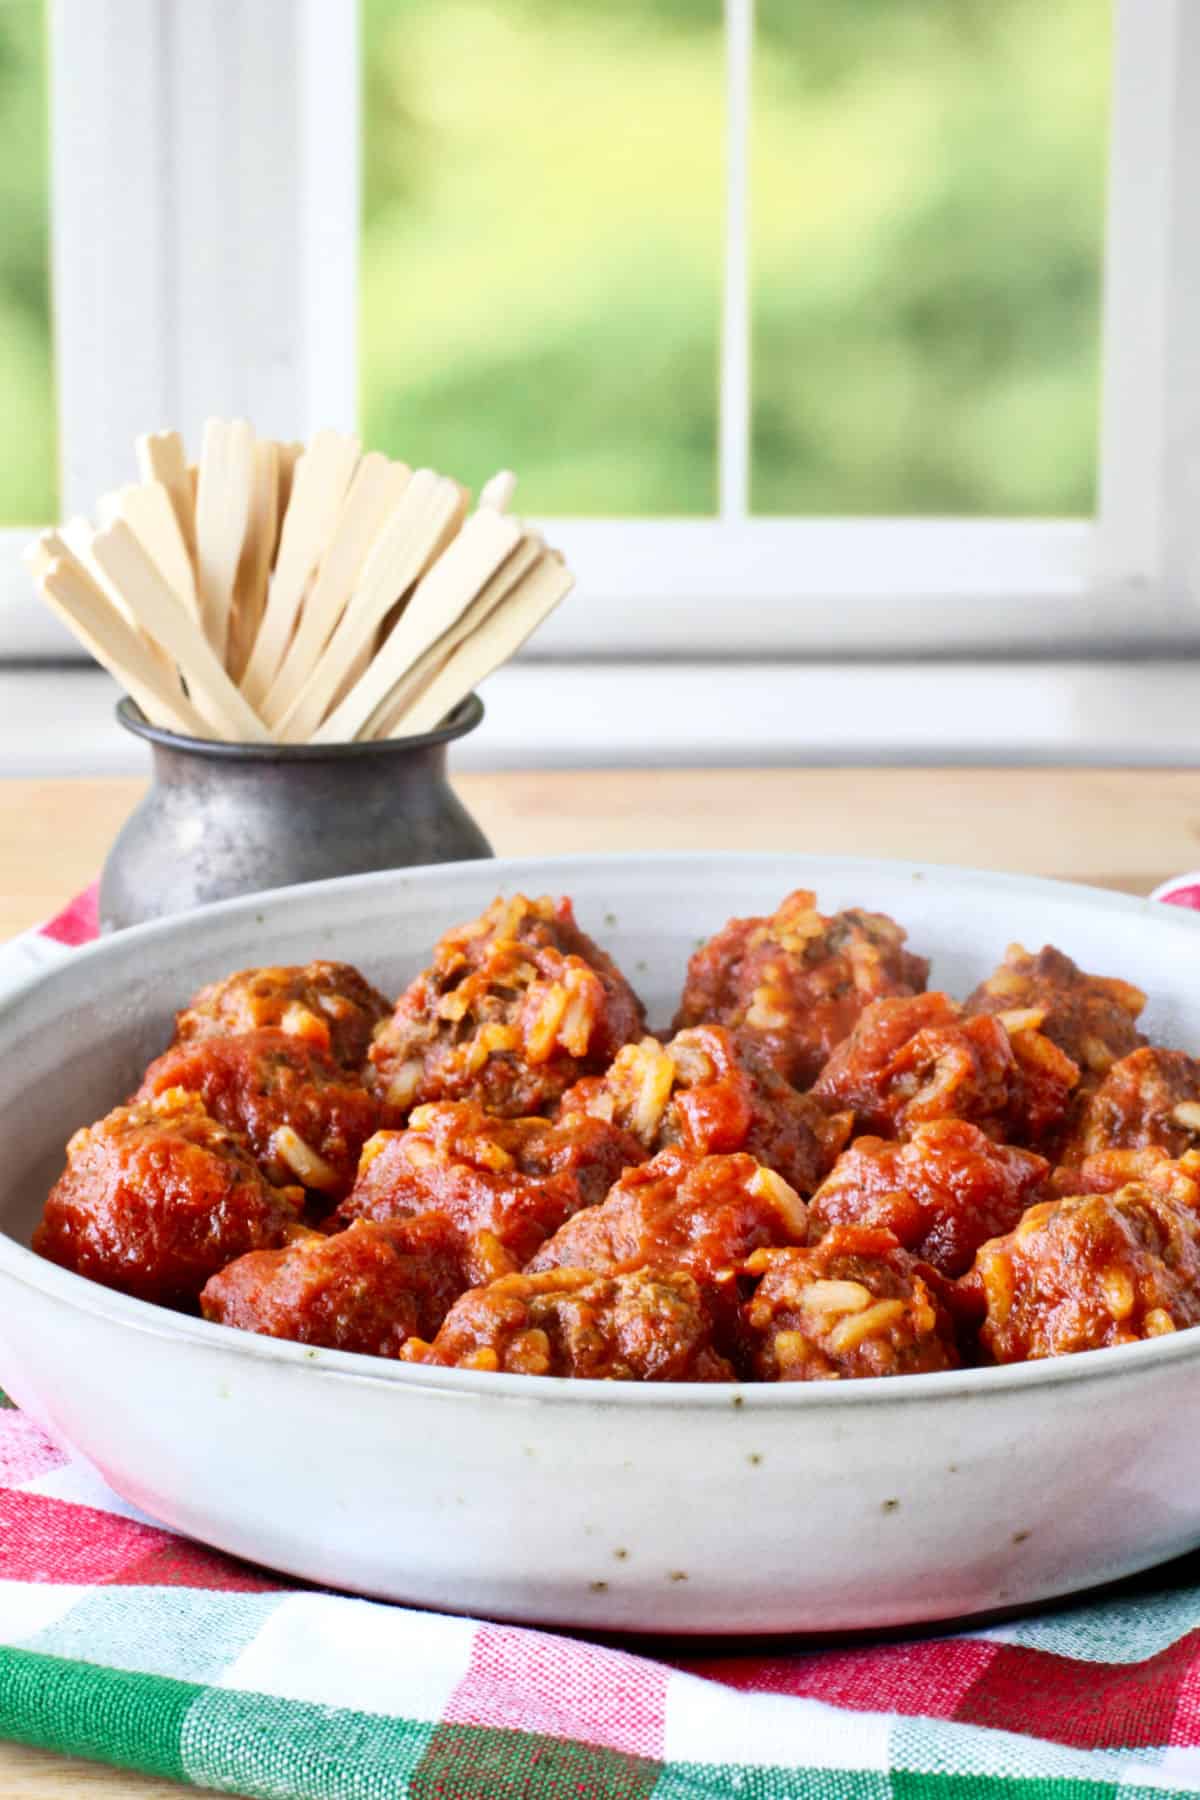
(28,473)
(927,218)
(541,262)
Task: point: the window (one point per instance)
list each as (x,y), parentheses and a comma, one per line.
(28,478)
(853,327)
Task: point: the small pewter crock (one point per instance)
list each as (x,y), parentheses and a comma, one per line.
(224,819)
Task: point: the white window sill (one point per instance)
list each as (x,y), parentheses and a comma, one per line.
(58,721)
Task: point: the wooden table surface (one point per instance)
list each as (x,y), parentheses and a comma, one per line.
(1118,828)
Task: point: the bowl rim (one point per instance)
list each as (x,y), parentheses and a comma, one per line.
(21,1264)
(461,719)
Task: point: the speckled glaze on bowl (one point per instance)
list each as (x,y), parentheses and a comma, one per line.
(820,1507)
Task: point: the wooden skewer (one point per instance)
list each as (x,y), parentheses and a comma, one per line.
(258,551)
(498,638)
(441,597)
(222,514)
(149,514)
(498,492)
(87,612)
(424,666)
(413,536)
(212,693)
(77,536)
(161,457)
(372,496)
(322,475)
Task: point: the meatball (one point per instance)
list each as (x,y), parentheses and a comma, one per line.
(157,1197)
(304,1118)
(793,986)
(515,1007)
(1092,1018)
(328,1004)
(912,1060)
(637,1326)
(1088,1271)
(369,1288)
(698,1093)
(1107,1170)
(942,1194)
(1149,1099)
(853,1305)
(516,1180)
(681,1211)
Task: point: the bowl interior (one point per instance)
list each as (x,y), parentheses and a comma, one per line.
(75,1042)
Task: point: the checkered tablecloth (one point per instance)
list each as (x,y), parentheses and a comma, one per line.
(122,1641)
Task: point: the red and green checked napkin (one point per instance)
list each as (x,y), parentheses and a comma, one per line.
(122,1641)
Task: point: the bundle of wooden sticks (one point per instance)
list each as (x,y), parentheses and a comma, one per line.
(296,593)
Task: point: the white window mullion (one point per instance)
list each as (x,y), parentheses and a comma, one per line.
(330,152)
(734,443)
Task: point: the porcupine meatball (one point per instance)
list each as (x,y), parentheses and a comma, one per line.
(515,1180)
(515,1007)
(637,1326)
(304,1118)
(792,986)
(908,1061)
(1107,1170)
(705,1214)
(1089,1271)
(328,1005)
(1149,1099)
(853,1305)
(157,1197)
(942,1194)
(369,1288)
(1092,1018)
(698,1093)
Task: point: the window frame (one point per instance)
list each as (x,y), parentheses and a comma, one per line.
(231,136)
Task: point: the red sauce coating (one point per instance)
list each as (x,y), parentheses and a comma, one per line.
(942,1194)
(854,1305)
(516,1180)
(681,1211)
(1107,1170)
(699,1093)
(328,1005)
(157,1197)
(514,1009)
(274,1088)
(1149,1099)
(630,1327)
(792,986)
(369,1288)
(909,1061)
(1092,1270)
(1092,1018)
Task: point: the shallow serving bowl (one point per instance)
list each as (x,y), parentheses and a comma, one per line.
(806,1507)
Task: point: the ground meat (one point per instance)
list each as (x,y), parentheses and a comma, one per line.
(1107,1170)
(941,1194)
(514,1009)
(853,1305)
(697,1092)
(912,1060)
(1150,1098)
(157,1197)
(369,1288)
(515,1180)
(328,1004)
(1092,1018)
(1092,1270)
(681,1211)
(304,1118)
(793,986)
(632,1327)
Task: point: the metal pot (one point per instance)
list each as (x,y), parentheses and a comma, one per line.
(224,819)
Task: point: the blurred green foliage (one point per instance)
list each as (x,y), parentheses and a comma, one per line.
(542,250)
(28,442)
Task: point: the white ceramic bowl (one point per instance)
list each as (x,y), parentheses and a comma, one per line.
(808,1507)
